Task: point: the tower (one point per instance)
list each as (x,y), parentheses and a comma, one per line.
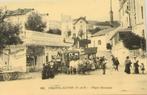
(111,13)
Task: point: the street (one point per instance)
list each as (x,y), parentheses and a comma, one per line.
(93,84)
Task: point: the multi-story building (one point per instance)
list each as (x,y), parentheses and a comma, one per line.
(132,19)
(80,27)
(139,18)
(132,15)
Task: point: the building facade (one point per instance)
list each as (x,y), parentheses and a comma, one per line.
(40,47)
(132,15)
(132,19)
(101,39)
(80,27)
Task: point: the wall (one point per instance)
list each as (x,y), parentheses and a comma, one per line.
(14,58)
(99,42)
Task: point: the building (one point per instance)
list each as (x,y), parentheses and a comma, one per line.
(40,47)
(80,27)
(132,20)
(102,39)
(132,15)
(73,29)
(139,18)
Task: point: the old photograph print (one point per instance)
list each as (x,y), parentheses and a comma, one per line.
(73,47)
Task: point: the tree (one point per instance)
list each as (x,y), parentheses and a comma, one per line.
(3,14)
(9,33)
(133,41)
(35,23)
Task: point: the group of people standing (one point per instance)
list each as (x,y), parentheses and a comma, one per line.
(49,69)
(133,65)
(115,63)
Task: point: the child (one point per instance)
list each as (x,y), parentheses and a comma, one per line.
(142,68)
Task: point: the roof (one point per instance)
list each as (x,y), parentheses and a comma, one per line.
(119,30)
(44,39)
(18,12)
(104,23)
(103,32)
(81,18)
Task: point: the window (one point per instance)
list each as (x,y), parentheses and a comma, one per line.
(99,42)
(74,27)
(143,34)
(142,12)
(135,19)
(69,33)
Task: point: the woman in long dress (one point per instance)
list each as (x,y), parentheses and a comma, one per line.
(128,65)
(136,67)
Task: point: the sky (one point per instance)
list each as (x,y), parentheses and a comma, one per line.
(92,9)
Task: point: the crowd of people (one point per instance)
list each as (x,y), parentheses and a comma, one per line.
(80,66)
(88,64)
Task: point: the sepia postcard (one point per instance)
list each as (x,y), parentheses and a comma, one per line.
(73,47)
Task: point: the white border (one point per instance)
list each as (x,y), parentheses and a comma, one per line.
(146,22)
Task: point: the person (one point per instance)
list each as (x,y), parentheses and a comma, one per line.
(116,63)
(97,63)
(142,68)
(136,67)
(134,61)
(101,61)
(113,62)
(128,65)
(72,67)
(51,71)
(44,72)
(84,65)
(104,65)
(47,70)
